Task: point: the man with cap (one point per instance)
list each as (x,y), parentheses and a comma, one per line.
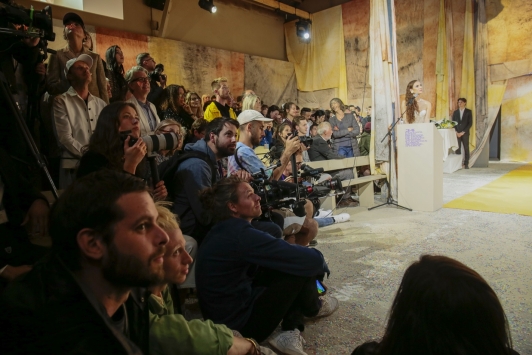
(75,34)
(75,115)
(251,131)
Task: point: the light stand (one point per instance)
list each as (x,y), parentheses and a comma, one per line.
(389,199)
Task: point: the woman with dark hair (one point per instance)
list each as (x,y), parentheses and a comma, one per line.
(109,146)
(290,111)
(264,109)
(416,109)
(345,130)
(319,116)
(172,106)
(443,307)
(281,135)
(115,67)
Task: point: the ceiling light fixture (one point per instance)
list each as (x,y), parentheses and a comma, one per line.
(303,29)
(208,5)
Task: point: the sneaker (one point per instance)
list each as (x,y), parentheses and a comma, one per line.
(329,305)
(289,342)
(323,213)
(342,217)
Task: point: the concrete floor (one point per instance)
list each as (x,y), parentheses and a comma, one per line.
(369,254)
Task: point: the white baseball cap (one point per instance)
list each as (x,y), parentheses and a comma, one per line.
(248,116)
(82,58)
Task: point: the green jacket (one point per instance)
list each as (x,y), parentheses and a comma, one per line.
(172,334)
(365,140)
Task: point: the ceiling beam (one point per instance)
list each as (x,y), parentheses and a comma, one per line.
(279,6)
(166,15)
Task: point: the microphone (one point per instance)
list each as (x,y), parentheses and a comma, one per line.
(411,101)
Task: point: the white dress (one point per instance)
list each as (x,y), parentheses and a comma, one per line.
(420,116)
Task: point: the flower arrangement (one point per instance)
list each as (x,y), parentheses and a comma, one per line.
(445,124)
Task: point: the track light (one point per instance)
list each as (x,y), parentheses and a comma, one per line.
(303,30)
(208,5)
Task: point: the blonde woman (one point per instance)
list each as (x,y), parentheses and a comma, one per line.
(169,126)
(251,102)
(194,103)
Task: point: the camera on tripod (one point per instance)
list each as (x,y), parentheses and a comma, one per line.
(19,22)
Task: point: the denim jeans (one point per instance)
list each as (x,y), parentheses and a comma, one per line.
(346,152)
(324,221)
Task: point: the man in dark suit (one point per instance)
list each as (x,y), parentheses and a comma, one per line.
(464,119)
(321,150)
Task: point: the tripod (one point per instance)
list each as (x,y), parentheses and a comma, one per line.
(7,99)
(389,198)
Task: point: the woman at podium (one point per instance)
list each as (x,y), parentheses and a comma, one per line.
(416,109)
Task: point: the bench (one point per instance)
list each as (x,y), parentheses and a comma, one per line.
(364,183)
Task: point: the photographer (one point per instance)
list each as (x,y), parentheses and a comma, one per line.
(251,281)
(108,149)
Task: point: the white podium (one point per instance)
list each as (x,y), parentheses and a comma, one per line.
(420,166)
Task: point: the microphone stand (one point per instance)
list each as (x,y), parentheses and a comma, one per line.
(389,199)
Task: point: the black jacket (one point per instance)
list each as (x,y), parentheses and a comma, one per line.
(46,311)
(320,150)
(465,123)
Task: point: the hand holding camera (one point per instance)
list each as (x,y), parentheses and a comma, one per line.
(134,154)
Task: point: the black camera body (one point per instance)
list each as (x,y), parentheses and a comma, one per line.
(33,23)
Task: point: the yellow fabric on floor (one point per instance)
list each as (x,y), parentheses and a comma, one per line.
(511,193)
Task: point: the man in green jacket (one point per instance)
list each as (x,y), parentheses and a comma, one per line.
(171,333)
(365,140)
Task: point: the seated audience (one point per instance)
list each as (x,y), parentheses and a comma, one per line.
(169,330)
(345,130)
(443,307)
(365,140)
(313,130)
(199,167)
(205,100)
(264,110)
(56,80)
(301,129)
(251,281)
(197,132)
(275,115)
(139,86)
(146,61)
(219,107)
(75,116)
(109,149)
(282,134)
(321,150)
(194,102)
(85,297)
(115,69)
(172,106)
(319,117)
(23,214)
(290,111)
(251,102)
(268,135)
(169,126)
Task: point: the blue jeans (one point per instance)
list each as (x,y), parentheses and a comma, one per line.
(324,221)
(346,152)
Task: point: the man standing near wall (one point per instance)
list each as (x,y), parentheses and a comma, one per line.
(220,107)
(464,120)
(146,61)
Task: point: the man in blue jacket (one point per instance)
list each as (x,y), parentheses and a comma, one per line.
(251,281)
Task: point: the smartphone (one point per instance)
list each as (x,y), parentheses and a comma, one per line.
(321,289)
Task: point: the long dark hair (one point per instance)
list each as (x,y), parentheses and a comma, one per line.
(216,198)
(106,139)
(444,307)
(271,109)
(110,59)
(410,110)
(170,97)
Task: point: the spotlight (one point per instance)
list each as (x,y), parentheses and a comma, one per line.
(303,29)
(208,5)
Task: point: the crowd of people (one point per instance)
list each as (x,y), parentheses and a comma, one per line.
(135,222)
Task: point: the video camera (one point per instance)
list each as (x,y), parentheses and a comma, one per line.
(19,22)
(306,140)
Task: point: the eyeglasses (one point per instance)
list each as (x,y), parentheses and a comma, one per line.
(195,99)
(144,79)
(148,59)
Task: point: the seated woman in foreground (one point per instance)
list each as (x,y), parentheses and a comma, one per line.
(443,307)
